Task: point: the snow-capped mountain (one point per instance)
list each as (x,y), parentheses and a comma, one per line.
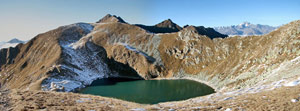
(245,29)
(11,43)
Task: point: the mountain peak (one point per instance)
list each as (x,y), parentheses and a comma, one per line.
(168,21)
(111,18)
(168,24)
(15,40)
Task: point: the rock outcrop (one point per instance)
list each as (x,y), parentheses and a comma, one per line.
(8,55)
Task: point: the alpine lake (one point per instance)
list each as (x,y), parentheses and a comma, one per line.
(147,91)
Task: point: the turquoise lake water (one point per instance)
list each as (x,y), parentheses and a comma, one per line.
(147,91)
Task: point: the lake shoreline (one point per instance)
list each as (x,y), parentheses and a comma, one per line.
(189,78)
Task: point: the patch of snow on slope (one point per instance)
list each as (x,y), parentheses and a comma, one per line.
(293,83)
(137,51)
(134,49)
(81,65)
(296,60)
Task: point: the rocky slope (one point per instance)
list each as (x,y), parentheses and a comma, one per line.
(72,56)
(245,29)
(66,59)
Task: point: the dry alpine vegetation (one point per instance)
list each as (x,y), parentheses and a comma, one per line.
(282,99)
(248,73)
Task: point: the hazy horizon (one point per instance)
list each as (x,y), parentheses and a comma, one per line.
(24,20)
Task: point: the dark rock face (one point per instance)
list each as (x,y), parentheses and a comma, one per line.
(8,55)
(166,26)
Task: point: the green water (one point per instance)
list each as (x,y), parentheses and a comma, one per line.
(147,91)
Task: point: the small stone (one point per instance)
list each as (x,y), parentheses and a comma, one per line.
(79,101)
(228,109)
(138,109)
(52,85)
(294,100)
(53,89)
(171,110)
(228,98)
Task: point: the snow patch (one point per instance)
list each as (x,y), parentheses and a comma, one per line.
(133,49)
(79,101)
(228,109)
(294,100)
(202,107)
(61,85)
(138,109)
(137,51)
(81,63)
(293,83)
(82,100)
(228,98)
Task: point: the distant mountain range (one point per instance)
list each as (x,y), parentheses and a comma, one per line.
(11,43)
(245,29)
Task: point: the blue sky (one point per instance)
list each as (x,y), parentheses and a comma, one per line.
(25,19)
(228,12)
